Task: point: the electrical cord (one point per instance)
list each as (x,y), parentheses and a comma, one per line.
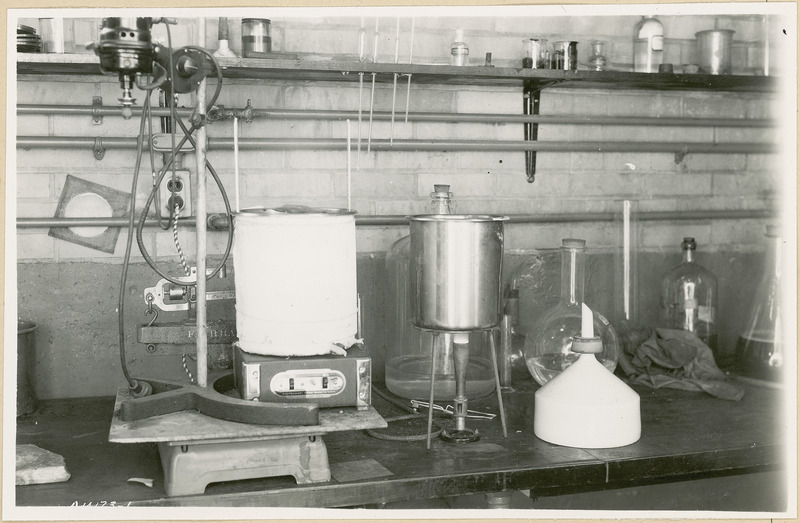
(413,415)
(170,162)
(135,386)
(159,218)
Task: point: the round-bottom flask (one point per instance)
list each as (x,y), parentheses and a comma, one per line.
(548,344)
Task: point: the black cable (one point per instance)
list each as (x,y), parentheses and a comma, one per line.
(133,385)
(153,170)
(413,415)
(168,163)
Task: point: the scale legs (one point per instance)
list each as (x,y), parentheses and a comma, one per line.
(189,468)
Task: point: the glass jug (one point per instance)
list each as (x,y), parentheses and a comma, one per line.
(548,343)
(759,350)
(689,298)
(408,358)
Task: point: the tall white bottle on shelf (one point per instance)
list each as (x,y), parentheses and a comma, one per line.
(648,45)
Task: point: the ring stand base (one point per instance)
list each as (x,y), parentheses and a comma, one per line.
(460,435)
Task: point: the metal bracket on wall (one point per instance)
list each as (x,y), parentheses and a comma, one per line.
(680,155)
(97,110)
(530,106)
(98,149)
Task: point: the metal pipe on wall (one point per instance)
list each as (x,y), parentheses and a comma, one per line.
(75,142)
(218,222)
(308,114)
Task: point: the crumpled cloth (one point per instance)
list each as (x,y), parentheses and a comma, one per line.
(677,359)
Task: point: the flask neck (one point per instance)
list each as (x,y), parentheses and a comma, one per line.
(572,273)
(688,256)
(441,203)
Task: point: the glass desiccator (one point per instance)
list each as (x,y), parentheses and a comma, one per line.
(408,356)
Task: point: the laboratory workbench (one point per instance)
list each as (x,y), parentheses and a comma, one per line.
(685,435)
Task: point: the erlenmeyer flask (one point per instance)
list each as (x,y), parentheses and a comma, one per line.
(759,351)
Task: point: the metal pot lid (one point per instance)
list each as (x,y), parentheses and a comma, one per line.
(457,218)
(294,209)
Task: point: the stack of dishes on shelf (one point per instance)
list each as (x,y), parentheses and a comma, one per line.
(27,40)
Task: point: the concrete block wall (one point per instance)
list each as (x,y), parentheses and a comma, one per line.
(387,182)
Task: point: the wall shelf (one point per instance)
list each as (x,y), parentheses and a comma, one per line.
(342,70)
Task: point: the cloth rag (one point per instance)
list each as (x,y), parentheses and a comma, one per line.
(677,359)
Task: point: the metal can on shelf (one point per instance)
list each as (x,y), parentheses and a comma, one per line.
(256,36)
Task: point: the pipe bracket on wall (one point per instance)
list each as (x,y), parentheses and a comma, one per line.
(98,149)
(97,110)
(680,155)
(530,106)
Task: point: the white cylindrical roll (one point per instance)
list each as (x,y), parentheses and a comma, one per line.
(295,275)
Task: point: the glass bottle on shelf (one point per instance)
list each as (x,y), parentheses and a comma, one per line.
(459,51)
(408,357)
(759,350)
(548,343)
(648,45)
(598,60)
(689,297)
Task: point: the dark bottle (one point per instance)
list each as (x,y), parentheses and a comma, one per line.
(689,298)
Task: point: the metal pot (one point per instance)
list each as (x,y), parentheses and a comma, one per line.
(457,265)
(714,50)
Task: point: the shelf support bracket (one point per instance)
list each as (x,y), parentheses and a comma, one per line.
(530,105)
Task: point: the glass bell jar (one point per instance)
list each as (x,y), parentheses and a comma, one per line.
(760,348)
(408,356)
(548,343)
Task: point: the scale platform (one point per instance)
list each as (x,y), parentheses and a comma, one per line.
(197,449)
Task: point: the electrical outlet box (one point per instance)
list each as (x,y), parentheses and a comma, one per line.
(177,190)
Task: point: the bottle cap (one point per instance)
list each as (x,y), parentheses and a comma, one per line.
(441,188)
(587,345)
(689,243)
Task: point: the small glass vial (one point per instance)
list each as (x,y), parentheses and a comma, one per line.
(689,298)
(598,60)
(459,51)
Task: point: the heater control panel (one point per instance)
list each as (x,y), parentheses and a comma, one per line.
(319,383)
(329,381)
